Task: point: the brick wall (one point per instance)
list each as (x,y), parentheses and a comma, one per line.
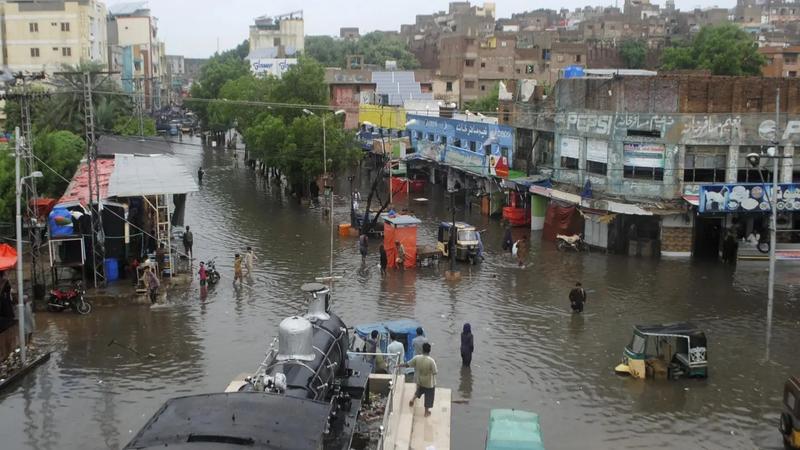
(676,239)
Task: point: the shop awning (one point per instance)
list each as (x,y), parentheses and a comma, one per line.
(591,203)
(693,200)
(8,257)
(142,175)
(78,189)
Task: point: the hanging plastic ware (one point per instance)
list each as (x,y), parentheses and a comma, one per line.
(60,222)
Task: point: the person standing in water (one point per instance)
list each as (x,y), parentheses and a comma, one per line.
(363,243)
(237,268)
(577,297)
(188,242)
(384,260)
(467,345)
(200,173)
(249,258)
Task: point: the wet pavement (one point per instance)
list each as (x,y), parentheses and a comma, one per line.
(530,352)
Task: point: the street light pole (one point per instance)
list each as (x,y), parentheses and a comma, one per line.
(20,299)
(773,202)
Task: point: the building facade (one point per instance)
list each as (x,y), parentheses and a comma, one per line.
(46,35)
(285,33)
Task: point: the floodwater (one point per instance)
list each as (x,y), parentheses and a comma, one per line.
(530,352)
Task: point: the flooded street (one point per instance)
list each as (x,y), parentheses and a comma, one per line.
(530,352)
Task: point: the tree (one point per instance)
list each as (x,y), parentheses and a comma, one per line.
(219,69)
(223,114)
(633,53)
(488,103)
(376,47)
(265,139)
(61,151)
(724,50)
(7,179)
(129,126)
(303,83)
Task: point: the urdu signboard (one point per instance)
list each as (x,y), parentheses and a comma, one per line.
(643,155)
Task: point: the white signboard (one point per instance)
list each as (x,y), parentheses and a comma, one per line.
(271,66)
(643,155)
(570,147)
(597,150)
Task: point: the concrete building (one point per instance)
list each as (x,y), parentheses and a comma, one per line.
(781,61)
(349,33)
(648,145)
(133,39)
(45,35)
(285,33)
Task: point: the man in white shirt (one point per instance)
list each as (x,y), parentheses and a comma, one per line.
(395,348)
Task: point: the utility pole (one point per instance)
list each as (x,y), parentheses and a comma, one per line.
(773,225)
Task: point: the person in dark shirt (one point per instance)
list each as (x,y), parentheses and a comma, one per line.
(384,260)
(577,297)
(6,302)
(467,345)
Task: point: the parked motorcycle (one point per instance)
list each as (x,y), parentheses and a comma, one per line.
(211,272)
(574,242)
(72,298)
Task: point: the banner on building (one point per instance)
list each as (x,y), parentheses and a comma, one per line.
(430,150)
(498,166)
(465,160)
(570,147)
(597,150)
(271,66)
(643,155)
(747,197)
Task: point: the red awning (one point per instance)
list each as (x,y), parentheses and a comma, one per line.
(78,189)
(693,200)
(8,257)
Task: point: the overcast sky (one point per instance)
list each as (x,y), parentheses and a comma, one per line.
(193,27)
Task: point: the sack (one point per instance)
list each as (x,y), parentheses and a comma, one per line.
(514,249)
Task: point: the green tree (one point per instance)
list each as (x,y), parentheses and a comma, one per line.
(633,53)
(219,69)
(724,50)
(265,139)
(376,47)
(222,114)
(303,83)
(129,126)
(7,190)
(61,151)
(486,104)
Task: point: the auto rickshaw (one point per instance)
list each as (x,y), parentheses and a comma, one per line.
(668,351)
(467,241)
(790,417)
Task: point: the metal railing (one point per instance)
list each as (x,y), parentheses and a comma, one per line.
(384,428)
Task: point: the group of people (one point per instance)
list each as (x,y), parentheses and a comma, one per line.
(400,253)
(518,248)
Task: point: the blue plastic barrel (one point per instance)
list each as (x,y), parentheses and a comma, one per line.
(112,269)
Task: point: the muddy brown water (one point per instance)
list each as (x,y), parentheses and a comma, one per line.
(530,353)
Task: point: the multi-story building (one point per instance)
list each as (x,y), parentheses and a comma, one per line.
(275,42)
(781,61)
(649,145)
(133,39)
(46,35)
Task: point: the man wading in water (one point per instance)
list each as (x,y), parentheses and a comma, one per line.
(577,297)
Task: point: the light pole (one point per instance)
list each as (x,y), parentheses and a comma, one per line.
(328,184)
(20,296)
(755,160)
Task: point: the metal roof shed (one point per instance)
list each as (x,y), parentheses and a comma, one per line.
(143,175)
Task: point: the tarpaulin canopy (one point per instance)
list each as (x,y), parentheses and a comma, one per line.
(142,175)
(566,220)
(8,257)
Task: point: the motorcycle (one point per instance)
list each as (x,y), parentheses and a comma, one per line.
(72,298)
(574,242)
(211,272)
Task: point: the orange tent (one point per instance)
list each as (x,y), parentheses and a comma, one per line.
(403,229)
(8,257)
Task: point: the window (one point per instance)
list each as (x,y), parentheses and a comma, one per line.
(449,86)
(487,150)
(577,58)
(560,58)
(431,137)
(504,152)
(638,344)
(501,69)
(469,84)
(483,87)
(504,44)
(419,135)
(483,65)
(457,142)
(55,49)
(35,52)
(443,140)
(469,62)
(643,173)
(473,146)
(705,164)
(33,27)
(792,74)
(276,42)
(66,51)
(596,167)
(749,174)
(569,163)
(64,26)
(790,401)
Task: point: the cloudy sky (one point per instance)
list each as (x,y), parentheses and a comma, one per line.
(193,27)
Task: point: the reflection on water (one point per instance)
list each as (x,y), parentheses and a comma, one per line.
(531,352)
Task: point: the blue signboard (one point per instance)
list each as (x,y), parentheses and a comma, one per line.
(473,141)
(747,197)
(466,160)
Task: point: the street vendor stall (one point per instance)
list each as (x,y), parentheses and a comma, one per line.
(403,229)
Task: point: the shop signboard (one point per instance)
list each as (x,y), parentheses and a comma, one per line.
(430,150)
(640,154)
(747,197)
(570,147)
(465,160)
